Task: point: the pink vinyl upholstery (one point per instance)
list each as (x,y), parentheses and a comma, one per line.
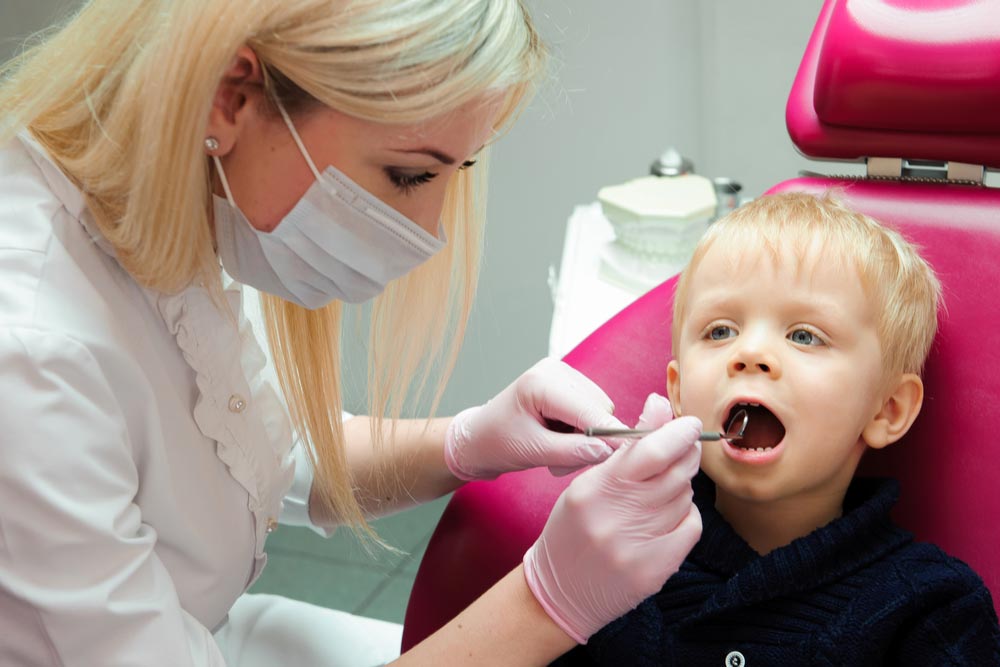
(488,526)
(918,79)
(949,463)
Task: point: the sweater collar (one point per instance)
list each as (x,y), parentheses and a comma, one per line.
(864,533)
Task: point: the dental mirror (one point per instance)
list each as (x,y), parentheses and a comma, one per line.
(734,430)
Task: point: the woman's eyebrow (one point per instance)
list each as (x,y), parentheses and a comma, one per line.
(440,156)
(443,158)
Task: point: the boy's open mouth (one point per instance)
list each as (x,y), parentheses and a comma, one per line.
(763,430)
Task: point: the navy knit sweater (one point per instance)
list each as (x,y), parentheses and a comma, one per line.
(858,591)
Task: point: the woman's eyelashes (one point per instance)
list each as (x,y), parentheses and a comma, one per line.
(406,183)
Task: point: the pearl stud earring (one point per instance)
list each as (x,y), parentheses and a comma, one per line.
(212,144)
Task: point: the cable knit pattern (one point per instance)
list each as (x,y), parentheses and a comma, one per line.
(858,591)
(236,407)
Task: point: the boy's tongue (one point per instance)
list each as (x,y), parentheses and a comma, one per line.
(763,429)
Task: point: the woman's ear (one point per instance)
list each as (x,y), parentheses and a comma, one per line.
(900,408)
(674,386)
(242,80)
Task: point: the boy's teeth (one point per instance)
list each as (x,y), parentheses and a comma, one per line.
(752,449)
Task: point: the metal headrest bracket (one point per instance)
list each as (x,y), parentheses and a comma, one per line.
(894,168)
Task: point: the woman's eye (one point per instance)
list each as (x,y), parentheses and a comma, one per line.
(805,337)
(721,332)
(407,182)
(467,164)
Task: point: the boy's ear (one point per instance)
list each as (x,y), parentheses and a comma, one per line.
(899,408)
(674,386)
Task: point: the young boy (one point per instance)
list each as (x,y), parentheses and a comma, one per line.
(816,320)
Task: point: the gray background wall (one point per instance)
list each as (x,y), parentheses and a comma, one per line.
(628,78)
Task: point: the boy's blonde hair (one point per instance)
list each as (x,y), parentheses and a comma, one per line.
(120,97)
(894,276)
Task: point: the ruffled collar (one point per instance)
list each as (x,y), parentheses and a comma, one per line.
(236,407)
(221,349)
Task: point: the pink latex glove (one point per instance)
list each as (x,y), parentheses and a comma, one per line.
(620,529)
(513,431)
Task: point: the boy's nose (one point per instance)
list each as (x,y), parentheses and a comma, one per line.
(753,359)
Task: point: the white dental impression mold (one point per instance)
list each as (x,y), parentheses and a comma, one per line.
(657,222)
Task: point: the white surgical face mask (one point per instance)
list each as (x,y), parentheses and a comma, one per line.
(339,242)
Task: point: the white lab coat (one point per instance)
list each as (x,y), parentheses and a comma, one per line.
(143,459)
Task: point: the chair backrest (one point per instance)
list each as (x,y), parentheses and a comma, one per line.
(487,526)
(880,78)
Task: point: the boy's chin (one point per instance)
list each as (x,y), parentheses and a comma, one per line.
(745,486)
(748,493)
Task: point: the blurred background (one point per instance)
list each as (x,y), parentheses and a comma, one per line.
(628,79)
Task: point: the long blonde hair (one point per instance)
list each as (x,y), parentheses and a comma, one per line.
(120,95)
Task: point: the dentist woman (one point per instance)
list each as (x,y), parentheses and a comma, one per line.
(157,155)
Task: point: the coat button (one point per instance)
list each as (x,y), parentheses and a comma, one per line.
(237,403)
(272,523)
(735,659)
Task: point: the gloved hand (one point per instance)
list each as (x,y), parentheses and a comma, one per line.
(513,431)
(620,529)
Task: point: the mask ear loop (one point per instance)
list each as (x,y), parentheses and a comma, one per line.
(298,142)
(225,181)
(298,139)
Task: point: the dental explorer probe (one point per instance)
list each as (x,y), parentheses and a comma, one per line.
(734,430)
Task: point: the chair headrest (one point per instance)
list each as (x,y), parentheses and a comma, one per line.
(912,79)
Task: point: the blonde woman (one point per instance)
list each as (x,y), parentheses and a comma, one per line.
(156,156)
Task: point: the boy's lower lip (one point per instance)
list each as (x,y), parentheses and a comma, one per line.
(752,456)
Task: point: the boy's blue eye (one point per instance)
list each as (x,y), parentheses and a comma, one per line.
(721,332)
(805,337)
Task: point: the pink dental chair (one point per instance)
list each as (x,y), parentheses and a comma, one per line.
(901,84)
